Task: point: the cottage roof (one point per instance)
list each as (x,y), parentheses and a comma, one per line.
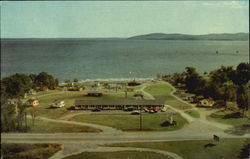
(208,99)
(32,99)
(119,102)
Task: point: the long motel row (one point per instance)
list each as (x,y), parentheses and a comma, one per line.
(155,105)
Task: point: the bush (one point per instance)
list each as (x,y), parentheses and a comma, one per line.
(167,123)
(233,115)
(29,151)
(219,103)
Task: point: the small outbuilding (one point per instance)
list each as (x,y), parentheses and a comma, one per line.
(58,104)
(197,99)
(138,94)
(32,102)
(133,83)
(206,102)
(129,89)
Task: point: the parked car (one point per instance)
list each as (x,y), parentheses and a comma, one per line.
(146,110)
(96,110)
(164,109)
(71,108)
(152,111)
(128,109)
(135,113)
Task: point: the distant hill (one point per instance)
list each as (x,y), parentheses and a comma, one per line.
(162,36)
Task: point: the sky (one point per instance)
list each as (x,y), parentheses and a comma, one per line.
(68,19)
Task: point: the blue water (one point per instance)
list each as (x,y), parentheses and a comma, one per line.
(116,58)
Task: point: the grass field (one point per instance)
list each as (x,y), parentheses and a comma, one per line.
(28,151)
(218,117)
(118,155)
(162,91)
(150,122)
(41,126)
(45,92)
(193,113)
(231,121)
(69,98)
(225,149)
(183,94)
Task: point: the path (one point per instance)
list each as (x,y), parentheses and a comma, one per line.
(146,95)
(73,143)
(91,148)
(79,142)
(105,129)
(203,114)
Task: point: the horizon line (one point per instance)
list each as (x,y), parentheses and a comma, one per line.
(113,37)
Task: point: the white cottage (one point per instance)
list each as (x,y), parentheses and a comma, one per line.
(58,104)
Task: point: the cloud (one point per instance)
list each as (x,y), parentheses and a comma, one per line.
(231,4)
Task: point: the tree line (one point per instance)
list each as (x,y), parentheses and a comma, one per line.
(19,84)
(13,89)
(225,84)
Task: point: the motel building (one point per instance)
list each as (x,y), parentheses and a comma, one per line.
(155,105)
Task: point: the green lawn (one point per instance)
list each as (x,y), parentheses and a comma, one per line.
(183,94)
(150,122)
(43,93)
(52,127)
(226,148)
(69,98)
(218,117)
(162,91)
(28,151)
(193,113)
(231,121)
(118,155)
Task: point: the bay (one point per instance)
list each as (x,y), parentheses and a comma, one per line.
(117,58)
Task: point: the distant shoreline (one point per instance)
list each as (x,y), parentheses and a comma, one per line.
(150,36)
(217,37)
(115,79)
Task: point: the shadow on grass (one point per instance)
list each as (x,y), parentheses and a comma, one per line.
(50,107)
(245,153)
(209,145)
(239,130)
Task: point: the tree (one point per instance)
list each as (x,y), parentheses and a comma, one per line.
(13,116)
(33,114)
(221,75)
(75,80)
(67,81)
(16,85)
(32,77)
(229,93)
(194,82)
(20,115)
(43,79)
(178,78)
(242,74)
(8,117)
(243,97)
(212,90)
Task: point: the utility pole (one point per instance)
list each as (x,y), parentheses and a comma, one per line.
(116,88)
(26,125)
(140,119)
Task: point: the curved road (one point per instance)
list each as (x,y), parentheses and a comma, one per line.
(73,143)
